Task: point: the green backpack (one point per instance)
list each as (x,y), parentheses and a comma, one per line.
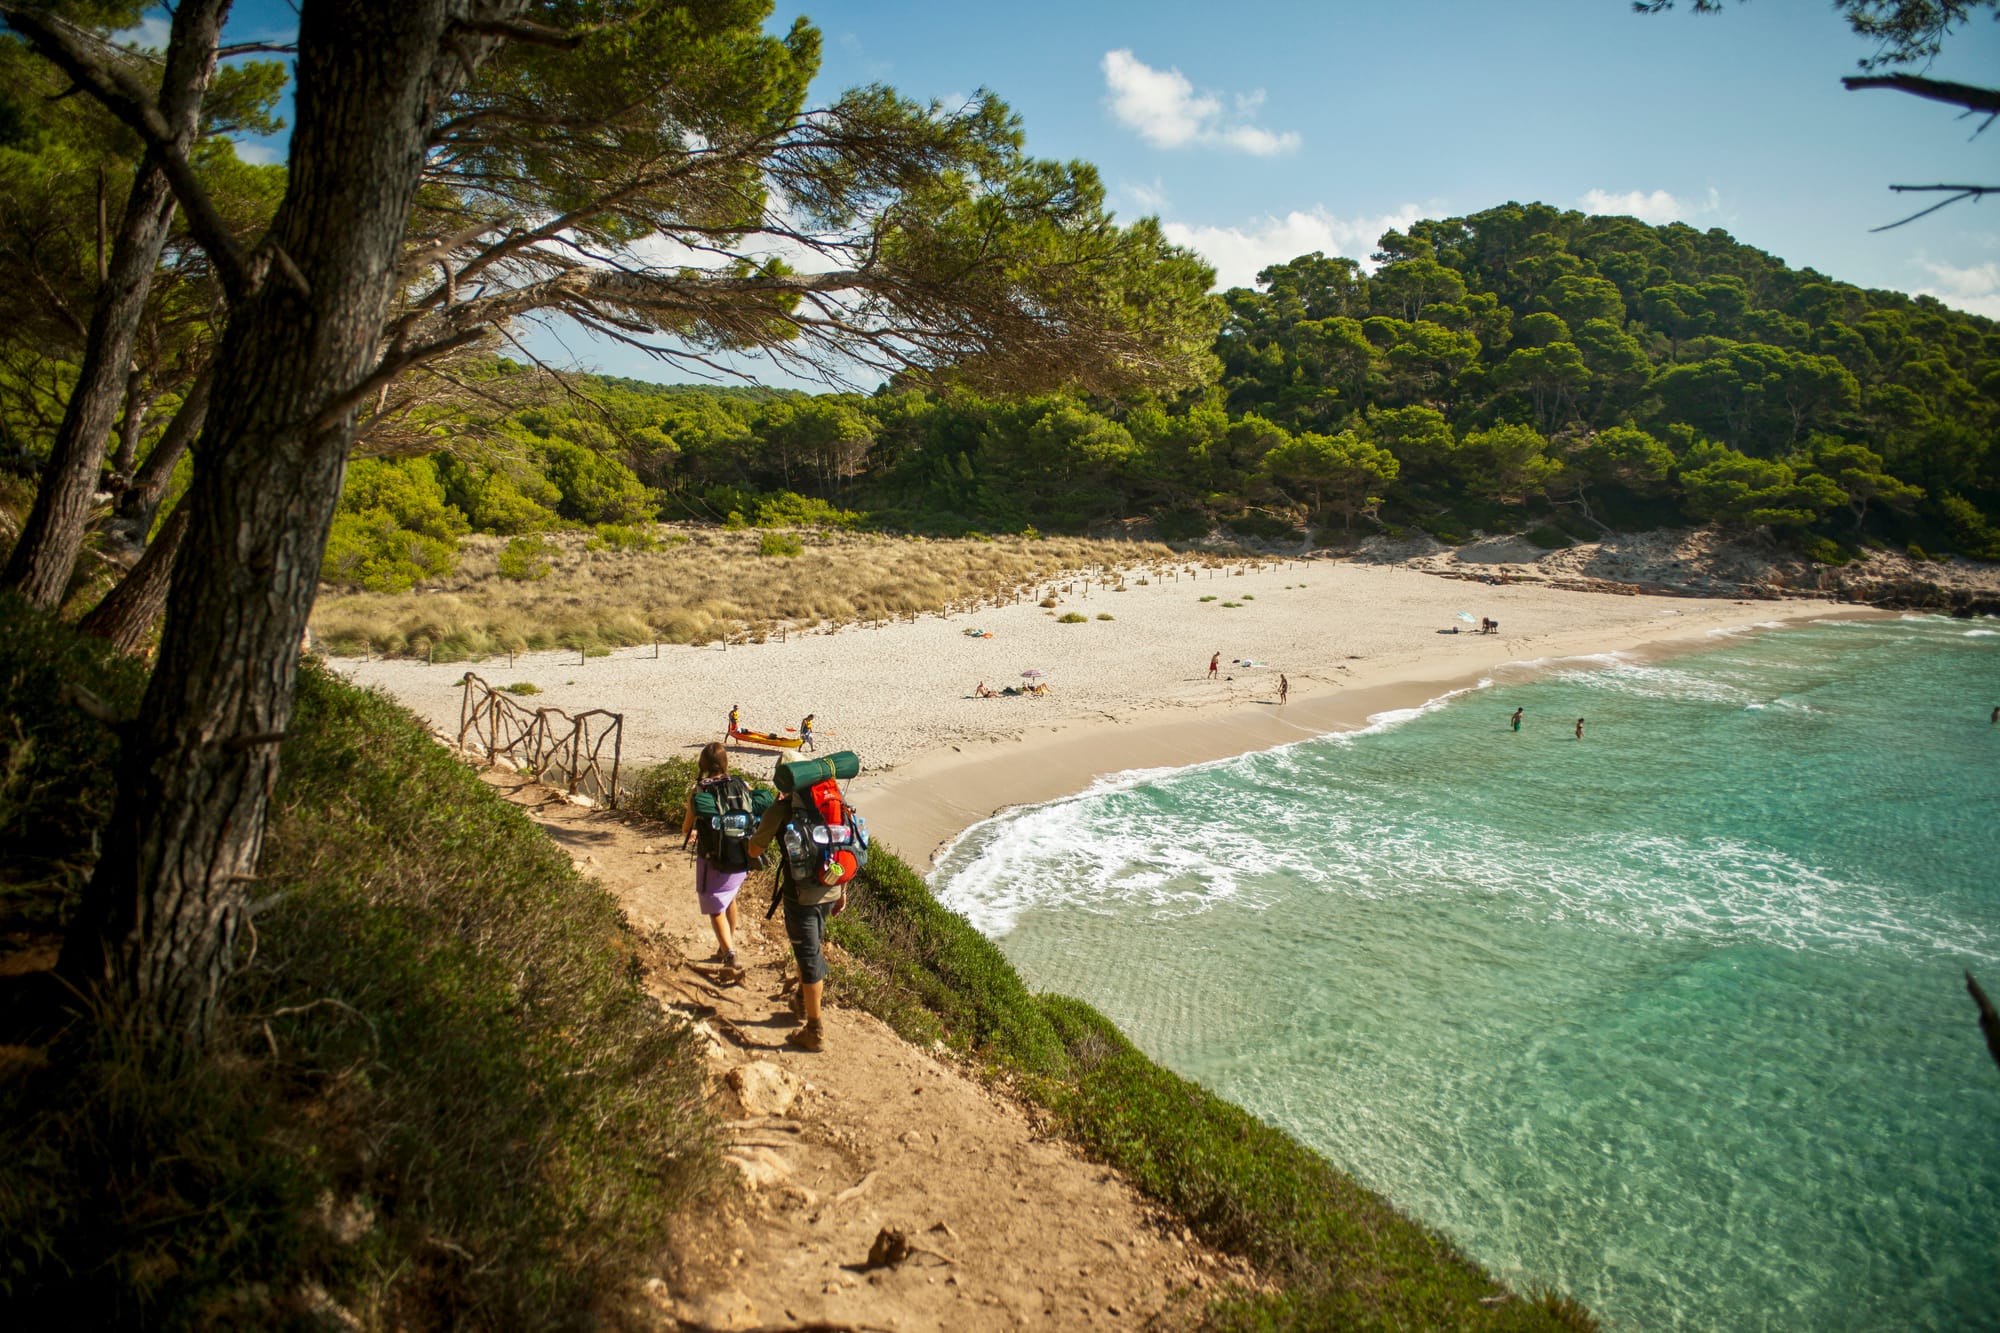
(725,815)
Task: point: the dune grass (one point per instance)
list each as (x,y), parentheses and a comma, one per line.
(715,583)
(440,1099)
(1343,1256)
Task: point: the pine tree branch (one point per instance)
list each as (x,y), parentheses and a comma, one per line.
(1958,192)
(78,53)
(1969,96)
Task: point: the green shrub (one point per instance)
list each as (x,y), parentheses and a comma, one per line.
(1071,618)
(1821,550)
(522,687)
(1266,527)
(56,763)
(394,527)
(783,545)
(661,791)
(1209,598)
(527,560)
(621,537)
(1180,524)
(1548,537)
(1105,615)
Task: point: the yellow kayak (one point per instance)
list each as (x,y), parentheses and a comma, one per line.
(765,738)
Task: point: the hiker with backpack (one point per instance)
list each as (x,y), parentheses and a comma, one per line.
(822,843)
(721,811)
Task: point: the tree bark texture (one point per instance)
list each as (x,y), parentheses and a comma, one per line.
(127,614)
(45,556)
(157,932)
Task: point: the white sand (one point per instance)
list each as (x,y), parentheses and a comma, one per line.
(1354,639)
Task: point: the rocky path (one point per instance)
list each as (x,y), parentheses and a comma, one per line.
(877,1186)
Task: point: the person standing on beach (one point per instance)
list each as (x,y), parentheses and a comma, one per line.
(1284,687)
(806,733)
(734,713)
(1579,728)
(1517,718)
(715,888)
(1214,665)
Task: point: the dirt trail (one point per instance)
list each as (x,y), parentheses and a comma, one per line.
(1007,1227)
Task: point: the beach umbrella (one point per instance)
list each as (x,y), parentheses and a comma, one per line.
(1032,672)
(1468,617)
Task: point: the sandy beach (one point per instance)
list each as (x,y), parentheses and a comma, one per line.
(1355,640)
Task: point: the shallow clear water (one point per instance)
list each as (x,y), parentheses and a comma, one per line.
(1672,1018)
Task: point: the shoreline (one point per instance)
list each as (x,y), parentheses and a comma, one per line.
(1126,667)
(923,808)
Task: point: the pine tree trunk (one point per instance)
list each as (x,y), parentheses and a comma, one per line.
(45,556)
(157,933)
(141,500)
(128,612)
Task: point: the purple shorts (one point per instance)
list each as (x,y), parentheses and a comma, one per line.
(715,888)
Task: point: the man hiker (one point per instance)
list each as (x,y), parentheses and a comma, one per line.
(805,927)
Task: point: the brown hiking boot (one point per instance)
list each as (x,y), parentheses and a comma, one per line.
(811,1037)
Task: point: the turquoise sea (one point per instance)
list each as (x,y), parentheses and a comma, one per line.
(1672,1017)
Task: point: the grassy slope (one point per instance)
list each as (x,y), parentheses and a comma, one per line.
(442,1100)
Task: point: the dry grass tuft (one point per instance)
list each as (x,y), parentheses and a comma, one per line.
(705,584)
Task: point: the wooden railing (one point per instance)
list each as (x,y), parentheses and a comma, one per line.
(549,744)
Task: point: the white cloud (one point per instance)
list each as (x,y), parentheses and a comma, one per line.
(258,154)
(151,33)
(1656,207)
(1167,112)
(1151,196)
(1239,252)
(1975,289)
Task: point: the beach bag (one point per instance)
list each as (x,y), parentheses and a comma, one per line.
(824,841)
(725,815)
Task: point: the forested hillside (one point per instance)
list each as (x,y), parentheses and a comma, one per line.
(1522,369)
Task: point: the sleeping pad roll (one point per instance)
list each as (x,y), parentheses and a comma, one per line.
(803,773)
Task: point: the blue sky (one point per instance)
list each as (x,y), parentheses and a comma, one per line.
(1258,130)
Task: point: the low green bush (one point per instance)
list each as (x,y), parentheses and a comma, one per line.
(1071,618)
(783,545)
(527,559)
(622,537)
(661,792)
(56,762)
(1266,527)
(1181,525)
(522,687)
(1106,615)
(1822,550)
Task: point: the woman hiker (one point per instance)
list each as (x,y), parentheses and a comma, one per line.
(714,887)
